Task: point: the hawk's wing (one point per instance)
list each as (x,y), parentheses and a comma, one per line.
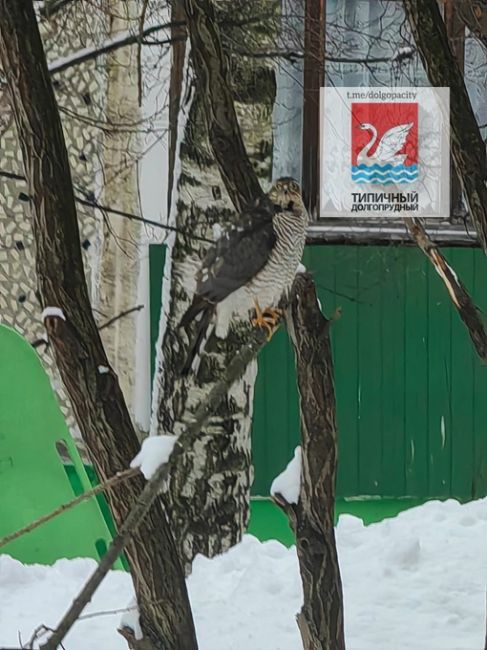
(233,261)
(238,255)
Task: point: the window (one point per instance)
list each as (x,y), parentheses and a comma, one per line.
(367,43)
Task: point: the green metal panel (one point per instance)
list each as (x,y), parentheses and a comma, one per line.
(461,364)
(412,388)
(479,406)
(157,258)
(412,413)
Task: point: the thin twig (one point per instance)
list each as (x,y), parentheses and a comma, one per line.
(45,341)
(126,312)
(118,478)
(87,54)
(92,203)
(153,487)
(135,217)
(139,50)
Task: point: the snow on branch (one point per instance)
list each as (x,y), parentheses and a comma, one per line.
(53,312)
(154,452)
(287,484)
(109,45)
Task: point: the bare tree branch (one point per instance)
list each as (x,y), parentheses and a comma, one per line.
(45,341)
(51,7)
(93,203)
(123,40)
(295,55)
(466,308)
(90,53)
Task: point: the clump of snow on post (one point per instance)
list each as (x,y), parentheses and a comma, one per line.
(53,312)
(287,484)
(154,452)
(301,268)
(131,619)
(103,370)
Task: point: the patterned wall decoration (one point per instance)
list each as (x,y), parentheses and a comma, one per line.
(81,93)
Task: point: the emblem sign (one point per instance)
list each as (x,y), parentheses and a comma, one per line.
(385,152)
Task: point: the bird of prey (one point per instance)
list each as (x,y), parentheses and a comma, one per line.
(250,268)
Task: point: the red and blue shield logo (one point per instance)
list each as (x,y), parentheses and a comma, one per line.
(385,143)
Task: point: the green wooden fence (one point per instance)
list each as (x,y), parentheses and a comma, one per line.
(411,394)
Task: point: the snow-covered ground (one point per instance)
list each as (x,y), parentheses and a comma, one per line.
(416,582)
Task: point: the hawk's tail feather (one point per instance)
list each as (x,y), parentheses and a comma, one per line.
(198,340)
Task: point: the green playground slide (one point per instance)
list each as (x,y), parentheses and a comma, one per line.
(33,480)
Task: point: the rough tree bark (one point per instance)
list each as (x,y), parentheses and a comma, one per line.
(95,392)
(210,494)
(468,148)
(312,518)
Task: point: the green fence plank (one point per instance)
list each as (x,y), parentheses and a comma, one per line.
(415,387)
(345,349)
(276,419)
(393,368)
(479,442)
(157,258)
(462,371)
(368,327)
(439,386)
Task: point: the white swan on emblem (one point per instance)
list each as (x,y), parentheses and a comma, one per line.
(391,142)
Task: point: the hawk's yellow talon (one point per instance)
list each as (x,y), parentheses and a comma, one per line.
(267,318)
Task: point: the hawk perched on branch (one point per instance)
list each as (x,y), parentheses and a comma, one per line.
(250,268)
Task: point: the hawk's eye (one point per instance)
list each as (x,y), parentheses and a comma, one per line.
(294,187)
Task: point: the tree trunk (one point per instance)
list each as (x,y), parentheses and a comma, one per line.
(312,518)
(468,148)
(119,265)
(95,394)
(210,494)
